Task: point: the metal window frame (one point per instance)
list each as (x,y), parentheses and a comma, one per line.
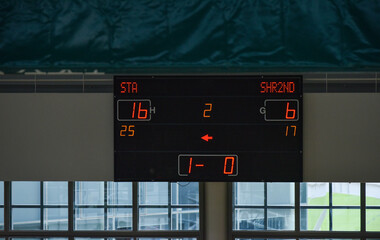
(297,233)
(70,234)
(84,82)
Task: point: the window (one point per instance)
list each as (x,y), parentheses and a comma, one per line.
(39,206)
(103,206)
(105,209)
(330,206)
(168,206)
(1,205)
(263,206)
(322,210)
(372,206)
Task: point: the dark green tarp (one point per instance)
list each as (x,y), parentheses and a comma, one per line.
(190,33)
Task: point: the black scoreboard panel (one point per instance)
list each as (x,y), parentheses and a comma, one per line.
(208,128)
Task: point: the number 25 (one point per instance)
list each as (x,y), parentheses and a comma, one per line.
(126,128)
(208,109)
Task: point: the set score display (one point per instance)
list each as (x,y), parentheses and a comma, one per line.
(208,128)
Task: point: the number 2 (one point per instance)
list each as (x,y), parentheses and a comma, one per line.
(209,105)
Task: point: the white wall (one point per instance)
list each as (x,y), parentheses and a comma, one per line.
(50,136)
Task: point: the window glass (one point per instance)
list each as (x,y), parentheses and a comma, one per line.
(153,193)
(183,239)
(119,193)
(1,218)
(29,238)
(1,193)
(153,219)
(26,219)
(55,218)
(315,219)
(314,194)
(346,219)
(89,193)
(249,219)
(185,219)
(373,219)
(373,206)
(56,193)
(251,194)
(346,194)
(119,219)
(26,193)
(280,194)
(185,193)
(372,194)
(89,219)
(280,219)
(82,238)
(265,239)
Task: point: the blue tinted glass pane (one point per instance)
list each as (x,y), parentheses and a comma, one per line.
(281,219)
(280,194)
(185,193)
(1,218)
(56,193)
(123,238)
(56,219)
(185,219)
(119,219)
(26,219)
(89,238)
(153,219)
(89,219)
(38,238)
(119,193)
(1,193)
(249,219)
(183,239)
(26,193)
(249,194)
(89,193)
(153,193)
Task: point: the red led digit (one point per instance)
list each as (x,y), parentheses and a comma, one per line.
(292,112)
(226,160)
(133,110)
(145,111)
(191,162)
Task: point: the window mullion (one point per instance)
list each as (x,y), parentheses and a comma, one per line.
(71,195)
(169,206)
(135,207)
(330,207)
(105,218)
(363,208)
(7,207)
(42,205)
(297,206)
(266,206)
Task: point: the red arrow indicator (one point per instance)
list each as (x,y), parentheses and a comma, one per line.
(206,137)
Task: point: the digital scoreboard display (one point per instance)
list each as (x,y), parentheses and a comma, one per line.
(208,128)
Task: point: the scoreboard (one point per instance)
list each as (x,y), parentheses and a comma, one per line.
(208,128)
